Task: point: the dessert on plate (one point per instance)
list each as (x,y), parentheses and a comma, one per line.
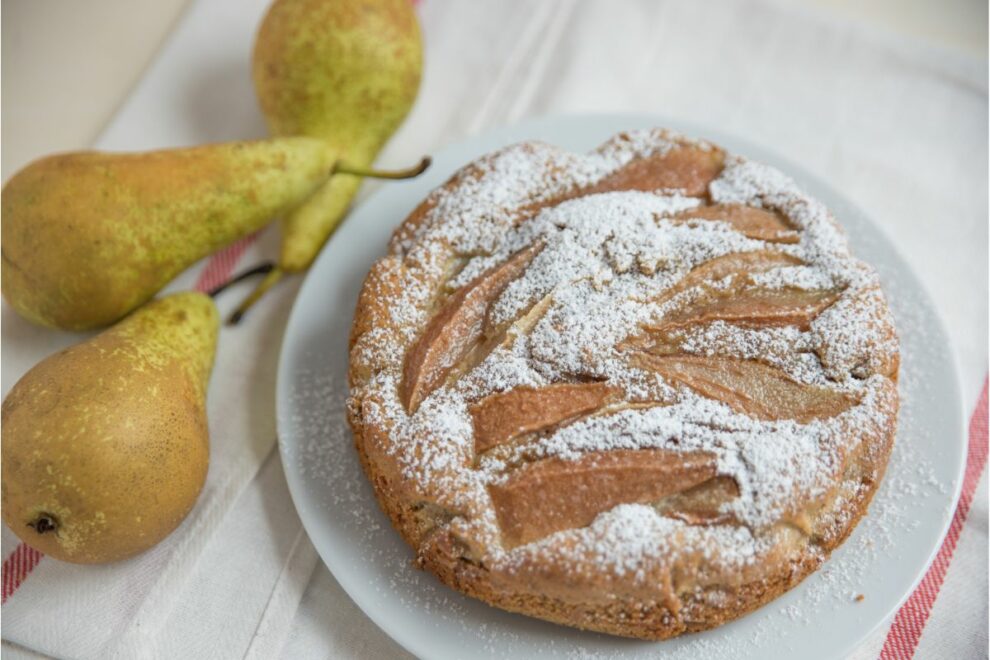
(642,390)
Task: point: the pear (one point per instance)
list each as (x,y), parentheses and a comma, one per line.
(88,237)
(105,445)
(346,71)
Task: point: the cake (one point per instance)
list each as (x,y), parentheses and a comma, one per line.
(642,390)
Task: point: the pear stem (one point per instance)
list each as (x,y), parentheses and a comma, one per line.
(273,274)
(260,269)
(270,280)
(408,173)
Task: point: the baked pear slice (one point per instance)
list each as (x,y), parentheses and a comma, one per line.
(702,504)
(555,494)
(755,306)
(502,417)
(749,387)
(456,329)
(751,222)
(742,264)
(686,168)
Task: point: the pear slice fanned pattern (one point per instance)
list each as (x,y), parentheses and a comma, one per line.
(642,390)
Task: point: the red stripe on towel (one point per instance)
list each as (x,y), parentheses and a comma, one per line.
(220,266)
(17,567)
(909,623)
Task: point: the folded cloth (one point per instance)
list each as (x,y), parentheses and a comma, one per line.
(898,126)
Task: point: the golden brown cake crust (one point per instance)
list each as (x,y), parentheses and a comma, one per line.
(690,457)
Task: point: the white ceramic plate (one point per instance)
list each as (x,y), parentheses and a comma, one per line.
(822,618)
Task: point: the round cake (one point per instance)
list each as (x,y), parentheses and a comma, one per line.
(642,390)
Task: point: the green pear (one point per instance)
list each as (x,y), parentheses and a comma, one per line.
(345,71)
(88,237)
(105,445)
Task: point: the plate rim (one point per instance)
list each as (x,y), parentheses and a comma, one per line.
(803,175)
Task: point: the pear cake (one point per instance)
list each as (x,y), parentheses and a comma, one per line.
(642,391)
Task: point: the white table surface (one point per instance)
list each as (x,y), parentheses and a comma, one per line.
(67,65)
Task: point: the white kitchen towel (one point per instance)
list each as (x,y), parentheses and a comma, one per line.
(900,127)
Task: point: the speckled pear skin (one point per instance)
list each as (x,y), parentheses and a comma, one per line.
(88,237)
(346,71)
(108,439)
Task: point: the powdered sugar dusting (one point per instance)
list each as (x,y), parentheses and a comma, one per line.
(607,264)
(317,445)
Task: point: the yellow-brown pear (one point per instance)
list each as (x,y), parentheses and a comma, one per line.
(105,445)
(88,237)
(344,71)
